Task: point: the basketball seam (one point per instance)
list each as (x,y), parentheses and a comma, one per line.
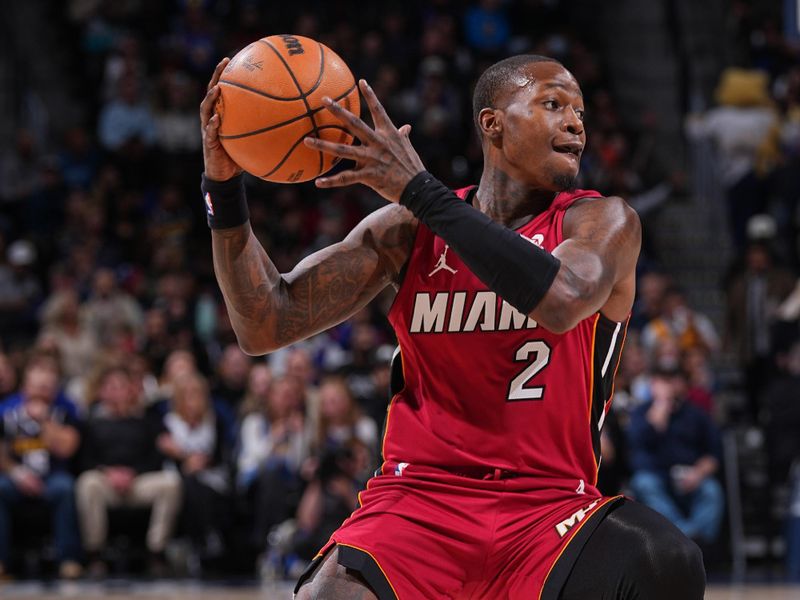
(297,143)
(259,92)
(282,123)
(300,90)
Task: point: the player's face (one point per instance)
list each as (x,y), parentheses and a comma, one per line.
(543,133)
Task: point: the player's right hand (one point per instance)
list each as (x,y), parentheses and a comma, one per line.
(218,165)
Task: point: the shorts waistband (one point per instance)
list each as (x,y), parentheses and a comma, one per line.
(488,474)
(480,473)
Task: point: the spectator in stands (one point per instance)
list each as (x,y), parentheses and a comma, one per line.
(230,382)
(690,328)
(126,118)
(358,369)
(176,121)
(258,384)
(168,227)
(328,500)
(632,383)
(738,127)
(753,296)
(110,311)
(273,445)
(20,173)
(178,364)
(700,377)
(376,402)
(38,437)
(300,364)
(674,456)
(64,326)
(124,468)
(341,421)
(195,443)
(158,343)
(651,287)
(79,159)
(20,293)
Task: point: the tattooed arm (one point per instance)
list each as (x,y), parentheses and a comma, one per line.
(269,310)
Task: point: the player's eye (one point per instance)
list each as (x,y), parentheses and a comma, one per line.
(551,104)
(581,114)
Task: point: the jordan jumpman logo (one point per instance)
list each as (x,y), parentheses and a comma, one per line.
(442,264)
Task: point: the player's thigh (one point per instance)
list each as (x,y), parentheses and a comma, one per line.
(636,553)
(332,581)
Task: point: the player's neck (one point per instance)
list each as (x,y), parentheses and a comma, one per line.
(508,201)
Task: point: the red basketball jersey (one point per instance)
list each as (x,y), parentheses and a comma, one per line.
(484,386)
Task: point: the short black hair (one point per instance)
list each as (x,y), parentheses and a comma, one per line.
(495,79)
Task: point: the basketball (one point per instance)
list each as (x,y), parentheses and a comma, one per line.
(271,99)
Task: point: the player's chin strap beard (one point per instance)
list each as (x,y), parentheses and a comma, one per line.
(564,183)
(515,269)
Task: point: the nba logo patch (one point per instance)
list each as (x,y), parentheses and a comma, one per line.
(209,205)
(398,470)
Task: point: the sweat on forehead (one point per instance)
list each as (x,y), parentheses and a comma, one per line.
(498,78)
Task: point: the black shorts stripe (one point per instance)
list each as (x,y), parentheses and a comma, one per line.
(359,561)
(563,566)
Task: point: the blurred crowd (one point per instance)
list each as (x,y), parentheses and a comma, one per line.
(122,388)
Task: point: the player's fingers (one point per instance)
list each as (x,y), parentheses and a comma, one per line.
(212,129)
(353,123)
(405,130)
(342,150)
(207,105)
(339,180)
(218,72)
(379,116)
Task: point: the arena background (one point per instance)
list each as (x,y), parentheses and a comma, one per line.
(693,116)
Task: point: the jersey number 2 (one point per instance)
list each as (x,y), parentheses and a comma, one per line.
(540,352)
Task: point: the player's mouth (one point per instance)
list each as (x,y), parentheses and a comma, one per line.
(570,148)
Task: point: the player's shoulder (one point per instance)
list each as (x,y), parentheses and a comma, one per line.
(612,212)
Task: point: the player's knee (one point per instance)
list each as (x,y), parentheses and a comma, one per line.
(675,568)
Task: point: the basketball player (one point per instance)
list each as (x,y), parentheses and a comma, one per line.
(512,303)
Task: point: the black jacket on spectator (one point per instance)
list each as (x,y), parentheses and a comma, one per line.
(128,442)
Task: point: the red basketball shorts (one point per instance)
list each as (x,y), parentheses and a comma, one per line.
(423,533)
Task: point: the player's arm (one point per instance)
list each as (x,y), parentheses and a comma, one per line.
(269,310)
(602,239)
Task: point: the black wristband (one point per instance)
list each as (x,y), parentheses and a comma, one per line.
(226,203)
(518,271)
(410,197)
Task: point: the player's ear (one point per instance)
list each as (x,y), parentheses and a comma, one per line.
(491,124)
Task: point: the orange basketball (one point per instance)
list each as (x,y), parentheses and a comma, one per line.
(271,98)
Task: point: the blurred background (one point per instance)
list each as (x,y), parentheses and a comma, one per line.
(137,440)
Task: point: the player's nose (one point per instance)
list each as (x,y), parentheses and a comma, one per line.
(572,122)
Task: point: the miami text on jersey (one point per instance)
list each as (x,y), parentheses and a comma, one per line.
(455,312)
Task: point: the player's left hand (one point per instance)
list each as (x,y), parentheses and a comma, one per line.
(385,161)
